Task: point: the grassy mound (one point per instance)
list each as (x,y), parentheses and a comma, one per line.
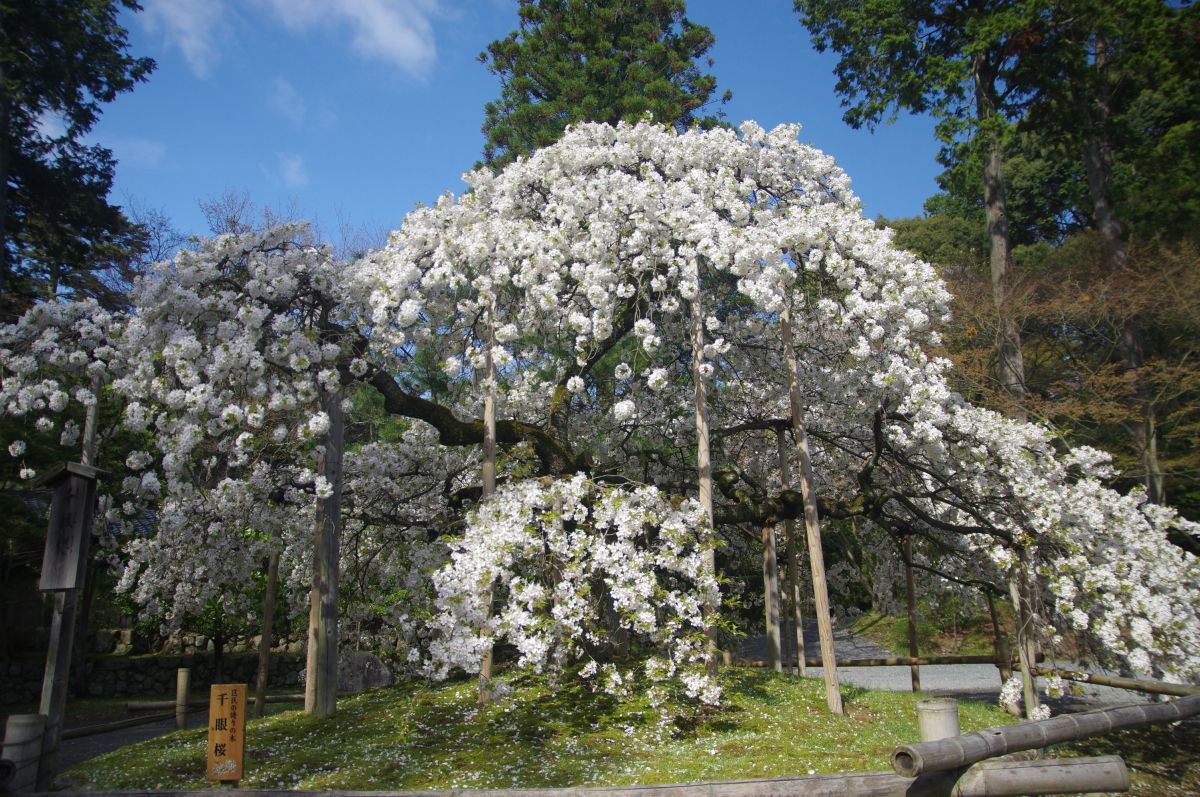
(422,736)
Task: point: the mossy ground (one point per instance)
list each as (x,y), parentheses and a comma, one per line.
(422,736)
(969,637)
(432,736)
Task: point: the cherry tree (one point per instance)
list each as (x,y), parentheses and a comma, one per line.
(619,320)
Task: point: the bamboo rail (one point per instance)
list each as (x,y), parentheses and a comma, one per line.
(911,760)
(891,661)
(1133,684)
(159,705)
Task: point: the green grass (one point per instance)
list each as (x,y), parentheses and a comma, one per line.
(969,638)
(421,736)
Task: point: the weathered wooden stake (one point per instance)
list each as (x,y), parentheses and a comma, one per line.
(812,523)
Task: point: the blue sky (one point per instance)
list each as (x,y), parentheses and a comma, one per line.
(351,112)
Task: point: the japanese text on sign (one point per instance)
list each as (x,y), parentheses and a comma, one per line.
(226,737)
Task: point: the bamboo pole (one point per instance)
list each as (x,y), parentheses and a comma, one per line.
(892,661)
(793,543)
(1132,684)
(911,760)
(812,523)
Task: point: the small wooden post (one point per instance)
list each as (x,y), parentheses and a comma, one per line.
(910,583)
(183,679)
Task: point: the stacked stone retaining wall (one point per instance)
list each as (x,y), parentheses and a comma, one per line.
(144,676)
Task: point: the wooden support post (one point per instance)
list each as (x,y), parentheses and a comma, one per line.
(183,682)
(771,598)
(320,688)
(488,480)
(1024,623)
(703,462)
(999,642)
(267,637)
(910,583)
(793,553)
(812,523)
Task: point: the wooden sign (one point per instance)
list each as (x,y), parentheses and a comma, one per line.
(226,731)
(65,557)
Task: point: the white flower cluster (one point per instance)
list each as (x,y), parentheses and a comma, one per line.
(568,564)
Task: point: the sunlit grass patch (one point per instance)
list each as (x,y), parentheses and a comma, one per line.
(422,736)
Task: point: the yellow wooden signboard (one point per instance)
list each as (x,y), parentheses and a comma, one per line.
(226,731)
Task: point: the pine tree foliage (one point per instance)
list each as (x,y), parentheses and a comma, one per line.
(595,61)
(60,61)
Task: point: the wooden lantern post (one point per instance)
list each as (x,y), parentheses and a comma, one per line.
(64,566)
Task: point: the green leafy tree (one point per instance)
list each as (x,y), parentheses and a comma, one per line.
(960,62)
(594,60)
(60,61)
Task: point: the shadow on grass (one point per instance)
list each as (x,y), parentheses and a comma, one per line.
(1159,757)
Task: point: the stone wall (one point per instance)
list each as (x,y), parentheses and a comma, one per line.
(149,676)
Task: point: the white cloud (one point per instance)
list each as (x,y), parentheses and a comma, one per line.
(50,125)
(292,170)
(141,153)
(191,25)
(395,31)
(287,100)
